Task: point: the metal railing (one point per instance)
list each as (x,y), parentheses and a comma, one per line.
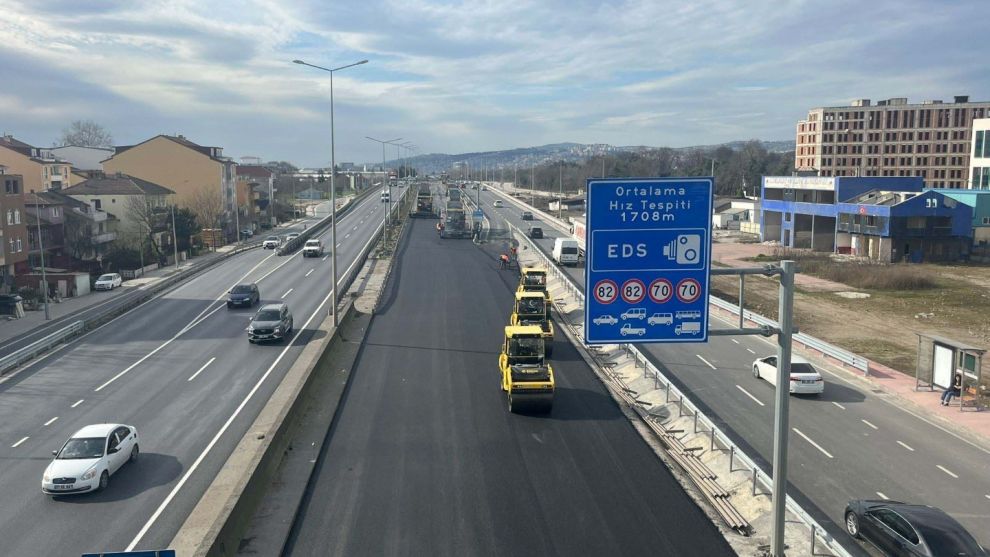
(684,403)
(40,346)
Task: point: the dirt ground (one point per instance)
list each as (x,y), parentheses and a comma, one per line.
(882,326)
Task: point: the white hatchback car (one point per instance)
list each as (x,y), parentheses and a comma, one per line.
(88,459)
(109,281)
(497,203)
(805,379)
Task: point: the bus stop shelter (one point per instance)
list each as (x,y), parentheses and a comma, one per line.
(940,358)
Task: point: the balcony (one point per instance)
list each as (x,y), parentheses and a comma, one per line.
(104,238)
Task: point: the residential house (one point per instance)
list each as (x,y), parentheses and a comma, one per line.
(137,204)
(72,232)
(40,168)
(13,227)
(180,165)
(255,189)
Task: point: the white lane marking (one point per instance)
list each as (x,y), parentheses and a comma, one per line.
(175,490)
(906,446)
(355,228)
(839,405)
(816,445)
(51,421)
(155,351)
(747,393)
(193,376)
(939,466)
(750,351)
(734,340)
(310,272)
(706,361)
(346,236)
(882,496)
(325,257)
(77,403)
(987,496)
(286,293)
(17,444)
(869,424)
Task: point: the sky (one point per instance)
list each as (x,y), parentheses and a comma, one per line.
(454,77)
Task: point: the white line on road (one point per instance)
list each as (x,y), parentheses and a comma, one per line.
(947,471)
(325,257)
(355,228)
(17,444)
(346,236)
(882,496)
(734,340)
(905,445)
(193,376)
(816,445)
(987,496)
(77,403)
(839,405)
(310,272)
(706,361)
(869,424)
(51,421)
(747,393)
(750,351)
(286,293)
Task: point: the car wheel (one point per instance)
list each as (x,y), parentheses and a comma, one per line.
(852,524)
(756,372)
(134,453)
(250,341)
(104,481)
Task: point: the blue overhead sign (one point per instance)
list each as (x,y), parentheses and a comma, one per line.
(478,213)
(648,259)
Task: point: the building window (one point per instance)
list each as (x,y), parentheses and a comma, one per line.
(55,211)
(20,246)
(10,218)
(17,216)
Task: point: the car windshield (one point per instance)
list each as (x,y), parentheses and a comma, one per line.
(81,448)
(241,289)
(275,238)
(267,315)
(526,347)
(105,277)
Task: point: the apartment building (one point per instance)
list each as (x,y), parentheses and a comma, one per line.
(136,203)
(931,140)
(979,155)
(13,227)
(40,168)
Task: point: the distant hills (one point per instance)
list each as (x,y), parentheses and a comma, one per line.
(570,152)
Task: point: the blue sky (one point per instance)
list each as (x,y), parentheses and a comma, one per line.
(470,76)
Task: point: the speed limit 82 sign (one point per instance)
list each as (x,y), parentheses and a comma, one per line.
(648,255)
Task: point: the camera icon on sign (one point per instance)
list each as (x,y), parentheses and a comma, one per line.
(685,249)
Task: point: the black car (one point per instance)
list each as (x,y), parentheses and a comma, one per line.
(272,322)
(897,528)
(535,232)
(243,295)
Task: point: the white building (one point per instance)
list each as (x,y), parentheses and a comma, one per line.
(979,155)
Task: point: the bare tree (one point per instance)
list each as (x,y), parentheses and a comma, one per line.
(86,133)
(145,219)
(207,205)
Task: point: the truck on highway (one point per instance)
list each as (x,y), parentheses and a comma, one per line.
(424,204)
(578,230)
(453,194)
(527,378)
(531,309)
(455,224)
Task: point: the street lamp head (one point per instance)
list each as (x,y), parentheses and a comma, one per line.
(298,62)
(361,62)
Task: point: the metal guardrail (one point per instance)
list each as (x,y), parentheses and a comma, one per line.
(40,346)
(717,435)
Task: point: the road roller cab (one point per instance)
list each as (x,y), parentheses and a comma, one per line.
(534,279)
(527,377)
(531,308)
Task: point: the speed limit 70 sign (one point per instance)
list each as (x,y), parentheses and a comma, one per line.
(648,255)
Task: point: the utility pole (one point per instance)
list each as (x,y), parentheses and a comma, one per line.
(781,410)
(175,239)
(560,181)
(41,248)
(532,185)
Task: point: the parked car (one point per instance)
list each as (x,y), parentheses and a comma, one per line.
(805,379)
(109,281)
(897,528)
(313,248)
(272,322)
(246,233)
(526,215)
(88,459)
(633,313)
(535,232)
(497,203)
(605,320)
(271,242)
(628,329)
(243,295)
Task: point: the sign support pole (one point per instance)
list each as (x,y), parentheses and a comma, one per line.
(781,411)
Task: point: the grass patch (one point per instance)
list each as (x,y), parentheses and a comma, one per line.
(864,275)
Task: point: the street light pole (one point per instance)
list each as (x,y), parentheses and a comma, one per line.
(388,204)
(560,182)
(333,188)
(41,248)
(175,240)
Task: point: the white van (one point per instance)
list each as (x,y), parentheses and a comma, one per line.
(565,251)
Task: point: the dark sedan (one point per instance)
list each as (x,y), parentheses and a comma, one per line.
(243,295)
(897,528)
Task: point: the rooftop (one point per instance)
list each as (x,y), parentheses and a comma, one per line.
(116,184)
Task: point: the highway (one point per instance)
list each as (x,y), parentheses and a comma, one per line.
(850,443)
(423,457)
(180,370)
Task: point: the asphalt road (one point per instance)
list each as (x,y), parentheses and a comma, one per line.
(850,443)
(423,457)
(180,369)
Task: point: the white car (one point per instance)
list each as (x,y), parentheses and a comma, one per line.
(605,320)
(313,248)
(291,236)
(497,203)
(628,329)
(108,281)
(271,242)
(88,459)
(805,379)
